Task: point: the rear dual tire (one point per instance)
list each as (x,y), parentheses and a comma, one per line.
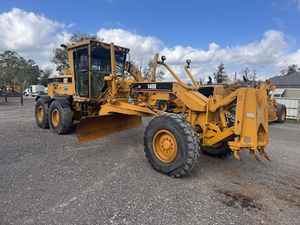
(60,117)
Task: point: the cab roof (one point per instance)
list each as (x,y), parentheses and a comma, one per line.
(88,41)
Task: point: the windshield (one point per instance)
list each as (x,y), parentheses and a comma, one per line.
(101,61)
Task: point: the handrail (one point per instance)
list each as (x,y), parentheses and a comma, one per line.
(189,74)
(172,72)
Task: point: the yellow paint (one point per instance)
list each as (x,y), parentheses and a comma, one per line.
(55,118)
(165,146)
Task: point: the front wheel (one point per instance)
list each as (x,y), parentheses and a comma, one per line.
(171,145)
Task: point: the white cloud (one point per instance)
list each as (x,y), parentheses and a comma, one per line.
(35,36)
(263,52)
(141,47)
(30,34)
(265,55)
(293,58)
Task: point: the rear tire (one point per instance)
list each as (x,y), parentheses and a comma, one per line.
(171,145)
(220,151)
(60,117)
(41,114)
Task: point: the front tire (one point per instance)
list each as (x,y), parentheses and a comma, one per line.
(171,145)
(60,117)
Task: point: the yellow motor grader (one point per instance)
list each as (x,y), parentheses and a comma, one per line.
(101,94)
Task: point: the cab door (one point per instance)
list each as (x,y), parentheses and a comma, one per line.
(81,67)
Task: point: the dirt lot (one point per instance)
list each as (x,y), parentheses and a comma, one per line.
(50,179)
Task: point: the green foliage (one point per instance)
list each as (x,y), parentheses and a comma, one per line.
(249,75)
(292,69)
(60,59)
(60,55)
(18,70)
(220,75)
(45,74)
(160,74)
(81,36)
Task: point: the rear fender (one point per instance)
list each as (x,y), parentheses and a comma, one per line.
(64,101)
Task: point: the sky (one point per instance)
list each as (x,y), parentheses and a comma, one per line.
(263,35)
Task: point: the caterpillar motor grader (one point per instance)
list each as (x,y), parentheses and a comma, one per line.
(102,94)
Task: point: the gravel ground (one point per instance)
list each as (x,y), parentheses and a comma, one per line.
(50,179)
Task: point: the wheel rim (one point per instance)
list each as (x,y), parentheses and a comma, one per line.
(55,117)
(40,113)
(165,146)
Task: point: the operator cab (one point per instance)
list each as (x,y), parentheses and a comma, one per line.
(92,62)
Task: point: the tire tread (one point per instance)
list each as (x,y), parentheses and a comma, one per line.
(192,151)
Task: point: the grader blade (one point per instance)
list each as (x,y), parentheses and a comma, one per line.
(93,128)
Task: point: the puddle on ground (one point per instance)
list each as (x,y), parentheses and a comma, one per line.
(236,200)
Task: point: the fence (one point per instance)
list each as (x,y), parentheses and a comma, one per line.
(292,106)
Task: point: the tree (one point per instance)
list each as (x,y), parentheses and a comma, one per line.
(289,70)
(292,69)
(249,75)
(220,75)
(15,69)
(159,75)
(78,36)
(252,76)
(45,74)
(60,59)
(246,74)
(60,55)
